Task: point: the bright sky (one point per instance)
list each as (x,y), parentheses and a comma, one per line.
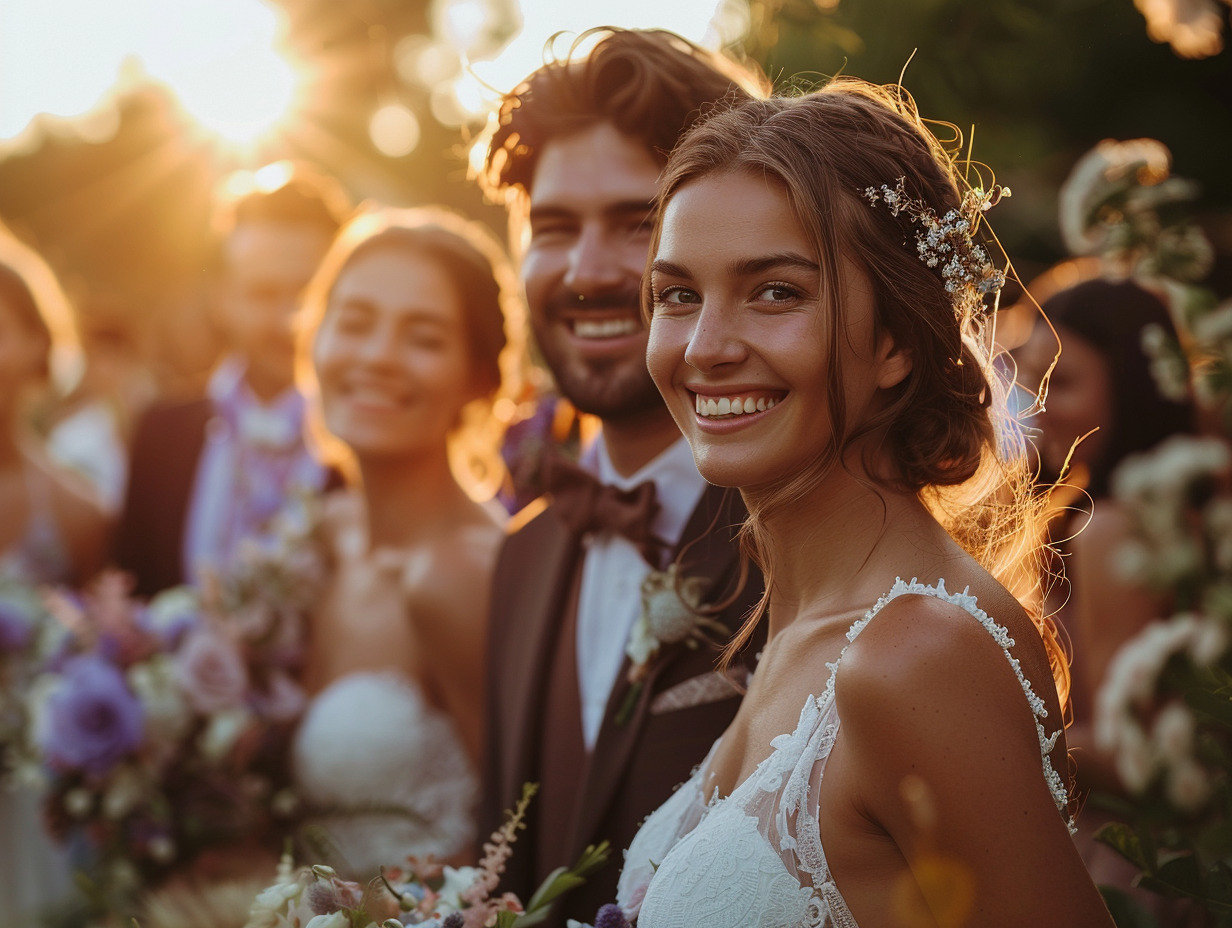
(62,57)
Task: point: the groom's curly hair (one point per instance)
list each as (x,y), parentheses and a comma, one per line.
(651,85)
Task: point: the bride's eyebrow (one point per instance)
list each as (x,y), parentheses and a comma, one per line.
(787,260)
(659,266)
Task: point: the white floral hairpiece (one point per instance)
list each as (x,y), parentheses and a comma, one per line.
(946,243)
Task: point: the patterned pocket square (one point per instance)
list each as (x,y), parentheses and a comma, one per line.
(698,691)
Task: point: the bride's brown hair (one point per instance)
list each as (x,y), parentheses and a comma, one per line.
(944,428)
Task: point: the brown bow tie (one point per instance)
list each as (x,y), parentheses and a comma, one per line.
(586,505)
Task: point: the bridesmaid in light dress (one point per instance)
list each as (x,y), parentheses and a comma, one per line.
(404,344)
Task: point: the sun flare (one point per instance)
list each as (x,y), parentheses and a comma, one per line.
(220,59)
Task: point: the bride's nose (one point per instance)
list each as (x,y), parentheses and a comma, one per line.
(714,341)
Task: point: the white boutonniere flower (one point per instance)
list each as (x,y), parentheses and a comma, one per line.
(672,612)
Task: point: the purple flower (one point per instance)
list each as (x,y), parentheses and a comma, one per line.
(611,916)
(92,720)
(15,629)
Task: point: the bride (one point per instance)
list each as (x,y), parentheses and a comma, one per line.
(818,330)
(404,340)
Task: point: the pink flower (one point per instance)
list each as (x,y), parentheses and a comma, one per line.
(212,673)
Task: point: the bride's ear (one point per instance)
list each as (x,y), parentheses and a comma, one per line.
(894,362)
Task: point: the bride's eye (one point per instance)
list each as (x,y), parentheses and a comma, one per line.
(778,293)
(677,296)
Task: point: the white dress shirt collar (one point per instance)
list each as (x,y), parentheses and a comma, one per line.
(678,485)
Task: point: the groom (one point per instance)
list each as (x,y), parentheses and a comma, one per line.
(577,157)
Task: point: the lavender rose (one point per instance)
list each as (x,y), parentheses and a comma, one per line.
(212,673)
(92,720)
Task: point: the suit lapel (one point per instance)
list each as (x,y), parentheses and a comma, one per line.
(536,609)
(706,549)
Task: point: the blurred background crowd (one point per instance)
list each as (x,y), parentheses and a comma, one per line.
(145,149)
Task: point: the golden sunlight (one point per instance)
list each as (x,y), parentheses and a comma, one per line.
(219,58)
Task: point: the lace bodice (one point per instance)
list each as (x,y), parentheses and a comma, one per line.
(382,774)
(755,857)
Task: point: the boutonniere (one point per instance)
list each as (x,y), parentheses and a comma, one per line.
(672,612)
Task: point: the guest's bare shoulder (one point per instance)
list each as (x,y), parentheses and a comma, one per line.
(450,573)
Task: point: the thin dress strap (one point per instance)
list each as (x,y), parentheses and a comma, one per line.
(1056,785)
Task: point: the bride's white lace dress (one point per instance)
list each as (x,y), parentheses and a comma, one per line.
(755,857)
(381,771)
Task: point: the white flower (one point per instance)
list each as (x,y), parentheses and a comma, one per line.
(1173,731)
(670,613)
(173,607)
(223,730)
(1090,181)
(167,714)
(457,881)
(1134,763)
(1208,642)
(332,920)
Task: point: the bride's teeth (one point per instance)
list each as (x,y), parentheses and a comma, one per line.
(730,405)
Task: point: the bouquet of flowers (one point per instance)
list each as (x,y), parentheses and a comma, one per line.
(161,729)
(1164,710)
(421,893)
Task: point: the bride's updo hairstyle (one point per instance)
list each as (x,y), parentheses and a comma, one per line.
(477,267)
(837,152)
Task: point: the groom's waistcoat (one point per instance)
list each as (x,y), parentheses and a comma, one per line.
(636,762)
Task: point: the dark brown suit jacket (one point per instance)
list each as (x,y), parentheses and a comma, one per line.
(634,767)
(149,539)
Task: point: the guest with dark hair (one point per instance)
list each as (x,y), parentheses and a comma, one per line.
(1101,395)
(208,473)
(1103,404)
(403,353)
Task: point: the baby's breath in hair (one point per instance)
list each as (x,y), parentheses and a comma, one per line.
(947,245)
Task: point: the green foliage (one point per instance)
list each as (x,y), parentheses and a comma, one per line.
(1040,83)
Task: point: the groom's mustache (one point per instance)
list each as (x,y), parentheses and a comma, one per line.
(570,302)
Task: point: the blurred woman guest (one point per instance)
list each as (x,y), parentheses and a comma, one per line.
(818,334)
(403,349)
(1102,395)
(52,530)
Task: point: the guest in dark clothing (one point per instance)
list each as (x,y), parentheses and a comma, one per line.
(208,473)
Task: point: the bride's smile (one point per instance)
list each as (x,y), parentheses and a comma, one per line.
(742,343)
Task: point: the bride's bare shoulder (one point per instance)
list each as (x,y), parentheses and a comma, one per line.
(938,664)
